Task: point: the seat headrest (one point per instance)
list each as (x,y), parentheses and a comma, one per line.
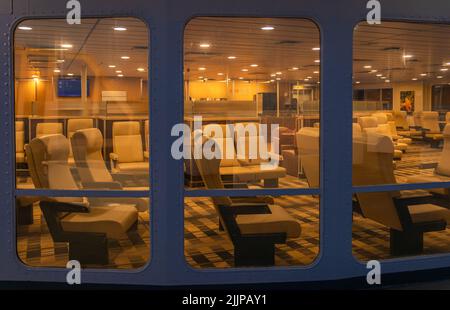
(213,130)
(49,128)
(75,124)
(56,147)
(357,131)
(381,118)
(430,115)
(92,139)
(126,128)
(367,122)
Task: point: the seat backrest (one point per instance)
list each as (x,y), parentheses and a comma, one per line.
(430,121)
(357,131)
(209,171)
(308,149)
(49,168)
(147,135)
(43,129)
(417,117)
(223,135)
(381,118)
(87,151)
(252,145)
(367,122)
(127,142)
(20,136)
(373,165)
(75,124)
(443,167)
(400,119)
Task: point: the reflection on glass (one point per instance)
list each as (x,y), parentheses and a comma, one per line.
(240,75)
(81,122)
(400,135)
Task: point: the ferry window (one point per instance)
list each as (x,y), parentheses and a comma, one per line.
(82,123)
(251,98)
(403,143)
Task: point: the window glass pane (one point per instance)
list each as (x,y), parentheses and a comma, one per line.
(82,122)
(408,143)
(252,84)
(208,244)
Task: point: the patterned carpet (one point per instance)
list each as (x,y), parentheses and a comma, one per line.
(207,247)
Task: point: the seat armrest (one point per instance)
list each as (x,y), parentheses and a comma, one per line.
(102,185)
(249,208)
(428,166)
(64,206)
(258,199)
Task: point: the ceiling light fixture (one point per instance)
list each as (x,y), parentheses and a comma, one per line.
(254,65)
(414,79)
(279,73)
(379,75)
(317,61)
(140,69)
(267,28)
(444,69)
(57,71)
(70,74)
(201,69)
(244,70)
(25,28)
(220,73)
(232,57)
(439,77)
(66,45)
(408,56)
(111,66)
(120,29)
(316,48)
(204,45)
(423,74)
(120,75)
(125,57)
(367,67)
(316,72)
(357,82)
(118,71)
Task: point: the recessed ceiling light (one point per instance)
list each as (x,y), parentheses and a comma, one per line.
(439,77)
(220,73)
(387,81)
(383,77)
(241,78)
(379,75)
(70,74)
(25,28)
(140,69)
(309,77)
(444,69)
(367,67)
(254,65)
(120,29)
(357,82)
(232,57)
(273,75)
(306,80)
(373,71)
(35,76)
(60,61)
(57,71)
(267,28)
(447,63)
(293,69)
(125,57)
(278,79)
(414,79)
(244,70)
(279,73)
(118,71)
(271,81)
(317,60)
(200,77)
(408,56)
(316,72)
(201,69)
(120,75)
(423,74)
(204,45)
(66,45)
(316,48)
(111,66)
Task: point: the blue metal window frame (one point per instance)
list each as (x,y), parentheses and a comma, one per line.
(166,20)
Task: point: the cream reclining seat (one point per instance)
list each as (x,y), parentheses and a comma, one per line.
(383,119)
(87,151)
(241,170)
(47,158)
(442,171)
(308,149)
(430,123)
(407,217)
(128,154)
(20,142)
(369,124)
(75,124)
(447,117)
(43,129)
(253,227)
(402,124)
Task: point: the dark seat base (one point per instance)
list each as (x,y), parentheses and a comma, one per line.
(406,243)
(92,250)
(258,252)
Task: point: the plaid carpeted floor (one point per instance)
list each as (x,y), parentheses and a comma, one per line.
(207,247)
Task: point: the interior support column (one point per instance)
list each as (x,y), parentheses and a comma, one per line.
(84,90)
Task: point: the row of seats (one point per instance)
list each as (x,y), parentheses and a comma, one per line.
(87,223)
(128,154)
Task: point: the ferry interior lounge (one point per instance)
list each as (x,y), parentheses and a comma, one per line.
(82,122)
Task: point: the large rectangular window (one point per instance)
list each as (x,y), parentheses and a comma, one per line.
(82,123)
(404,145)
(252,122)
